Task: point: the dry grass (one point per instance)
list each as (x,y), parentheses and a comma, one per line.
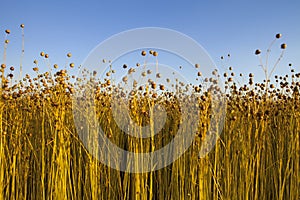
(41,156)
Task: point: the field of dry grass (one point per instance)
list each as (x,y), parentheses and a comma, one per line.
(42,157)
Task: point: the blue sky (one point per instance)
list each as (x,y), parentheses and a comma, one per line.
(221,27)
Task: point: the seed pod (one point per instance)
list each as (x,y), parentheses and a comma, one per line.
(278,35)
(72,65)
(46,56)
(6,41)
(69,55)
(35,69)
(283,46)
(22,25)
(143,53)
(42,54)
(12,68)
(257,52)
(131,70)
(161,87)
(124,79)
(153,85)
(7,31)
(155,53)
(197,89)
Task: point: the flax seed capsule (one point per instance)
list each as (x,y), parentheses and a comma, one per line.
(144,53)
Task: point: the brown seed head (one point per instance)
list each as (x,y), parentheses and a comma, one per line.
(257,52)
(161,87)
(125,79)
(7,31)
(153,85)
(278,35)
(72,65)
(22,25)
(35,69)
(283,46)
(143,53)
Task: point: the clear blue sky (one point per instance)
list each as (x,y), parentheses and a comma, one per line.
(221,27)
